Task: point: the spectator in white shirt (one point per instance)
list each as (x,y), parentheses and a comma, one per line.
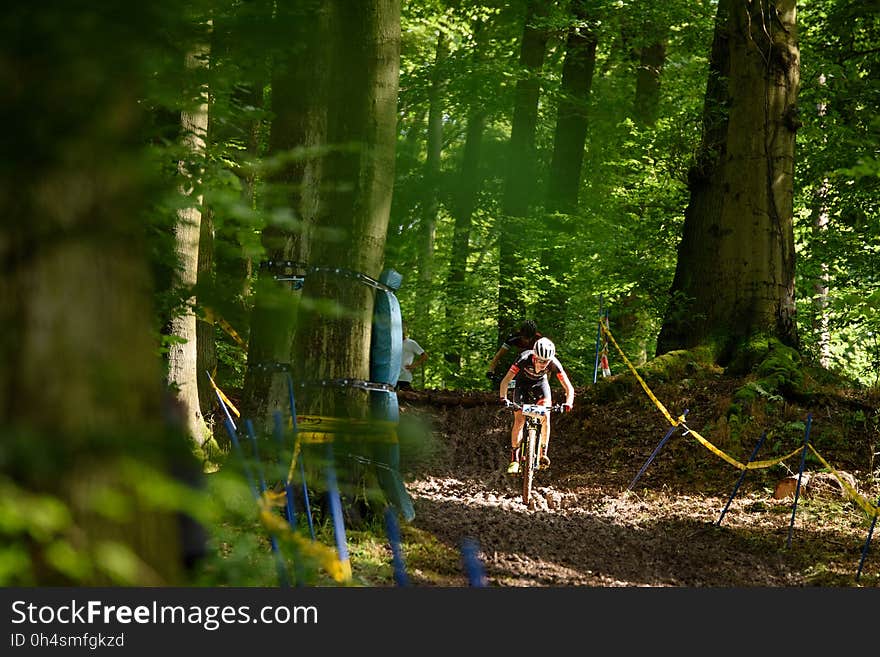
(412,357)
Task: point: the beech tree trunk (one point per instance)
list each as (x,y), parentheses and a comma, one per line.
(820,218)
(647,98)
(519,184)
(734,277)
(463,209)
(182,360)
(563,184)
(298,139)
(464,201)
(432,168)
(359,177)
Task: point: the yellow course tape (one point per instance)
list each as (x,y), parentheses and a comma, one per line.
(224,397)
(211,317)
(316,429)
(751,465)
(868,508)
(338,569)
(641,381)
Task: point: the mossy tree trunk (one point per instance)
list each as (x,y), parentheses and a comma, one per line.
(734,277)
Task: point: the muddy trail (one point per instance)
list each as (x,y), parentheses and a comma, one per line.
(587,529)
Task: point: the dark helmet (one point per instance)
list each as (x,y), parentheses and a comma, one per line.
(528,328)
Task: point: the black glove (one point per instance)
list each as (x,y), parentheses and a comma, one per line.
(506,402)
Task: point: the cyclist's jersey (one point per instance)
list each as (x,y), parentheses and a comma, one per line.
(524,368)
(533,386)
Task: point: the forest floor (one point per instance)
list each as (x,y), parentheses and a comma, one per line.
(587,529)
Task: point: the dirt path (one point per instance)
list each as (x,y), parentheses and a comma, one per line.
(586,530)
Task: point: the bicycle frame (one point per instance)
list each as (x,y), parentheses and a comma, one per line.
(527,454)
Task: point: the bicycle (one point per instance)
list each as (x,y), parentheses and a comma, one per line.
(527,453)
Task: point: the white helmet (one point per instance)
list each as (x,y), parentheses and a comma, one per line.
(545,349)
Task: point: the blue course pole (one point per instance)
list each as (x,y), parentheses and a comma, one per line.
(305,487)
(655,452)
(279,559)
(302,467)
(741,477)
(289,508)
(473,567)
(393,530)
(230,429)
(336,507)
(290,511)
(797,489)
(249,429)
(867,543)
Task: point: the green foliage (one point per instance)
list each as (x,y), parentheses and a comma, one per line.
(620,244)
(45,541)
(837,186)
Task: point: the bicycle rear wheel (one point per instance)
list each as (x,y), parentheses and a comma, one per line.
(528,465)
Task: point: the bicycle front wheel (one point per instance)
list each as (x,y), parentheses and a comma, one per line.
(528,465)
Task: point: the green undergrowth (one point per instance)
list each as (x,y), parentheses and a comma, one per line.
(239,549)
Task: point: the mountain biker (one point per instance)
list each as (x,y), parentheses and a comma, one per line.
(524,339)
(531,372)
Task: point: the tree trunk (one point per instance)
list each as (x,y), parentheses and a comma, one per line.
(80,386)
(734,277)
(465,201)
(236,52)
(571,115)
(206,347)
(820,320)
(519,184)
(362,112)
(820,219)
(432,168)
(332,346)
(297,139)
(564,182)
(182,375)
(647,99)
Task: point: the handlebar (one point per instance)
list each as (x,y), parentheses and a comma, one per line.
(535,410)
